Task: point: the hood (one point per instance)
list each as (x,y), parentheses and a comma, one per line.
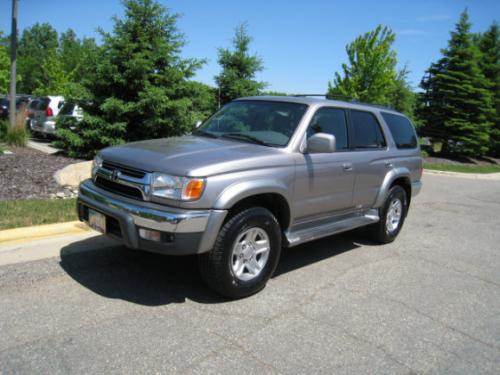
(194,156)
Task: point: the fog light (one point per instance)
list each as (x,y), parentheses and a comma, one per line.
(151,235)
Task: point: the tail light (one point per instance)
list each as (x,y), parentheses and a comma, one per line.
(49,112)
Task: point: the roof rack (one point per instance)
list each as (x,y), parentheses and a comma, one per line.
(346,99)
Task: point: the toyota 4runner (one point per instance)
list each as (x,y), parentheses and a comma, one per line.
(261,174)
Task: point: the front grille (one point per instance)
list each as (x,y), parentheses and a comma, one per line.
(114,187)
(136,173)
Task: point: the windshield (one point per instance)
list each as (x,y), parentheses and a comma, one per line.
(268,123)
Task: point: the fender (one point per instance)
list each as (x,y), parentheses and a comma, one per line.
(240,190)
(389,178)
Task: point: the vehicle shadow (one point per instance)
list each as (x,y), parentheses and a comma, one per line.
(113,271)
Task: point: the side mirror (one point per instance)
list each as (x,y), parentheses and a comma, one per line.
(321,143)
(198,123)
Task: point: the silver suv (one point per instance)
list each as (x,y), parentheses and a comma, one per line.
(261,174)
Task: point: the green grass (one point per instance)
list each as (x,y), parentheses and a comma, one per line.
(463,168)
(23,213)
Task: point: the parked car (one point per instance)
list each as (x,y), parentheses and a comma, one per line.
(4,105)
(43,121)
(30,112)
(262,173)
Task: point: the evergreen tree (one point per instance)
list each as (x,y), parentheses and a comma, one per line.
(489,45)
(456,101)
(237,77)
(138,88)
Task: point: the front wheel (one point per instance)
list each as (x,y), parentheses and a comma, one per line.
(245,254)
(392,216)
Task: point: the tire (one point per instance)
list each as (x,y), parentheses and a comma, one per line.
(386,231)
(238,249)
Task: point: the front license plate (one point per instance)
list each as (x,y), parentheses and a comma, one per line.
(97,221)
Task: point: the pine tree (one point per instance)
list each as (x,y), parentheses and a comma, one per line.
(489,45)
(139,87)
(237,77)
(456,102)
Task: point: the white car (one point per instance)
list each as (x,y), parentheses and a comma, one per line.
(44,116)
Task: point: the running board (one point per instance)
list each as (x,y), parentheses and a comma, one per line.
(298,237)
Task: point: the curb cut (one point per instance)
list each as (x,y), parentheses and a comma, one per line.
(29,234)
(472,176)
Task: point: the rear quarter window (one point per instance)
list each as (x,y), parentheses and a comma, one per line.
(402,130)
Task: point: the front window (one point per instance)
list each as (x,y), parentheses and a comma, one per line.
(269,123)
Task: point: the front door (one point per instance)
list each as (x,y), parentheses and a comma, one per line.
(324,182)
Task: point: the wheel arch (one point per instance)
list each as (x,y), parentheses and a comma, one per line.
(398,176)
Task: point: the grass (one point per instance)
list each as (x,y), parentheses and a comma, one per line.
(23,213)
(463,168)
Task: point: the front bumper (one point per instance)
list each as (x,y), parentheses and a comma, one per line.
(183,231)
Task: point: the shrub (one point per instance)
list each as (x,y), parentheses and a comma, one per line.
(82,139)
(17,136)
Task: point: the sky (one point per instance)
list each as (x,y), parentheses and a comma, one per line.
(302,43)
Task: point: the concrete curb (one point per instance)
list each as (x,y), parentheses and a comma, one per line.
(45,148)
(472,176)
(34,233)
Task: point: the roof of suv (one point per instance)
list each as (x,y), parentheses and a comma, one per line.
(322,101)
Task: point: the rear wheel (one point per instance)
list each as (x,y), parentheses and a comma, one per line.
(392,216)
(245,254)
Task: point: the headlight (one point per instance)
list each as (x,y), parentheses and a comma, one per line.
(179,188)
(96,164)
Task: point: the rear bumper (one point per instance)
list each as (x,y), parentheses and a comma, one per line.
(416,186)
(46,127)
(183,231)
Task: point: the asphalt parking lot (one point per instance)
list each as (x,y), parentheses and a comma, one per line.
(427,303)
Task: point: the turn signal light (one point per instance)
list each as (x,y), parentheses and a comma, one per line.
(193,189)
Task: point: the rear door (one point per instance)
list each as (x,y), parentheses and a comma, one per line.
(370,154)
(324,182)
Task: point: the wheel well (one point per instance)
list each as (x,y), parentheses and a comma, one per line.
(405,183)
(275,203)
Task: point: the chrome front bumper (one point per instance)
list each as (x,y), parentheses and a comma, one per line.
(190,231)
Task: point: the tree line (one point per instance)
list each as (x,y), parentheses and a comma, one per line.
(135,84)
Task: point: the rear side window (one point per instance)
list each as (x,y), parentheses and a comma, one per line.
(367,132)
(401,129)
(330,121)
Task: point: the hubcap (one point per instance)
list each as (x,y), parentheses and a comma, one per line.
(394,214)
(250,253)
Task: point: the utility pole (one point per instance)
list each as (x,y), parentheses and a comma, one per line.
(13,55)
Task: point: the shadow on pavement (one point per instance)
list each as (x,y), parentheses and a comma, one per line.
(113,271)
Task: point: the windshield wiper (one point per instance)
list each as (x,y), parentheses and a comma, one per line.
(246,137)
(203,133)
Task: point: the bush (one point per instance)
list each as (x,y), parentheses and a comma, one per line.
(17,136)
(4,126)
(83,138)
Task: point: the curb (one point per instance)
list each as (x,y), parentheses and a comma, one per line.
(28,234)
(42,147)
(472,176)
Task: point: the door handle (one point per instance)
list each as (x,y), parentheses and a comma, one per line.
(347,167)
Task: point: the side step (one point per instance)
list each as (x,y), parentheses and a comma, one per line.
(294,238)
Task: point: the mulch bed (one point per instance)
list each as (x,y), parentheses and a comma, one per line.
(28,174)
